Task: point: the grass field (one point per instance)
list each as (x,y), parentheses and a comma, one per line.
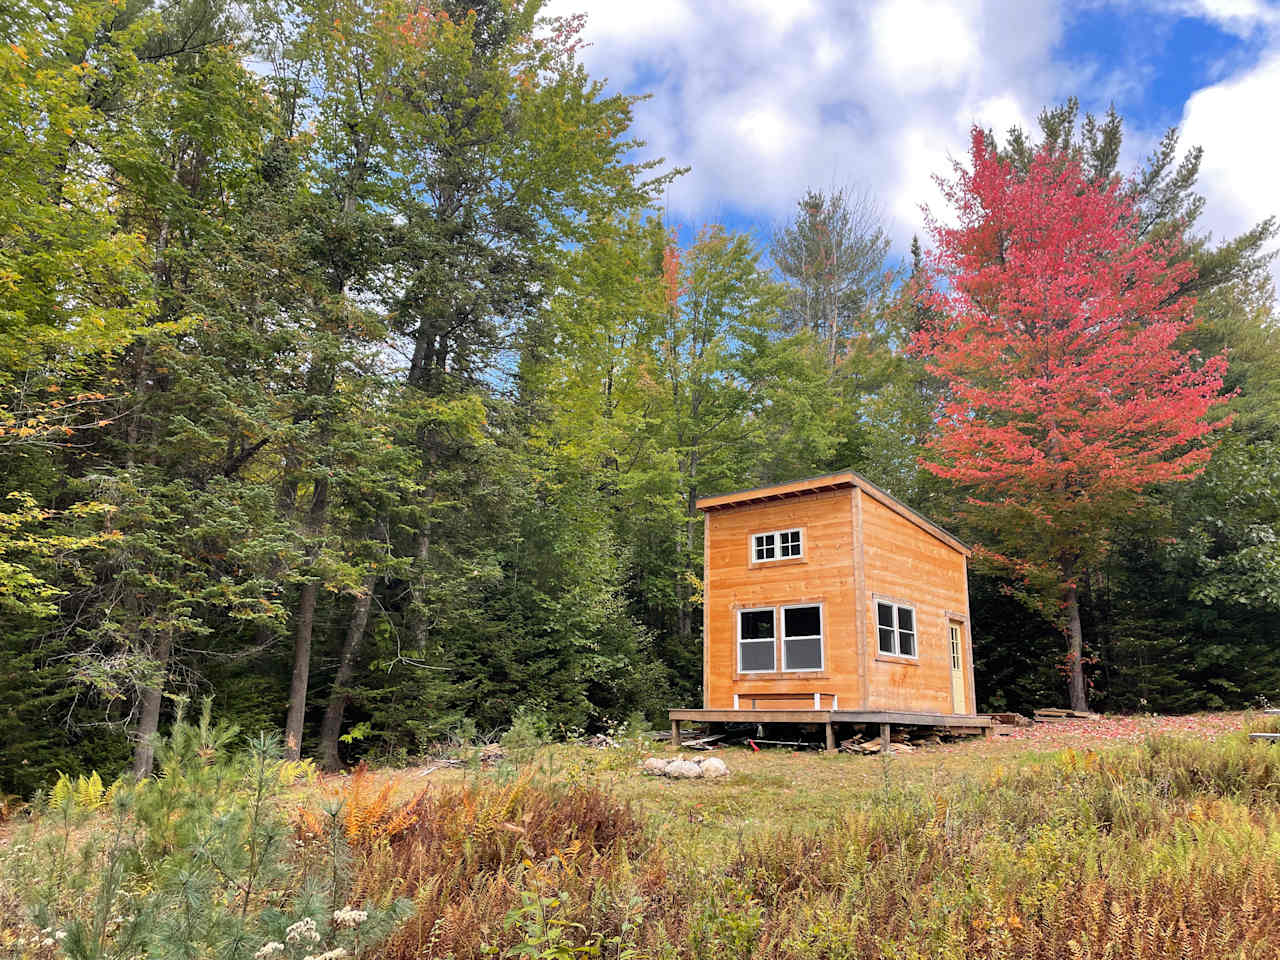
(1136,838)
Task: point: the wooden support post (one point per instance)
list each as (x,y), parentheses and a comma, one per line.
(831,737)
(675,733)
(886,737)
(989,733)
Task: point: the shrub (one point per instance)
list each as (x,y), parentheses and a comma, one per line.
(194,863)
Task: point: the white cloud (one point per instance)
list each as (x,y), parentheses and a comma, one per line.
(1232,121)
(765,98)
(923,44)
(1241,16)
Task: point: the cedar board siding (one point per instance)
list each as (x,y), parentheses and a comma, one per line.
(900,561)
(904,564)
(823,575)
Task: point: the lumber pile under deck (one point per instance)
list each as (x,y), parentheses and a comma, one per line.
(885,719)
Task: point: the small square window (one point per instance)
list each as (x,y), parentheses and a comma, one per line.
(789,543)
(765,546)
(896,629)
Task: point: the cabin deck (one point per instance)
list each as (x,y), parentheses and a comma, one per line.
(886,719)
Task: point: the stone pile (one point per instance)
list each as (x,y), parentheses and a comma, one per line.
(708,768)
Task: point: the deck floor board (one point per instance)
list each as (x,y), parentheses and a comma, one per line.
(896,717)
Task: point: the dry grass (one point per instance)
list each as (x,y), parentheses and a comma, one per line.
(990,850)
(979,849)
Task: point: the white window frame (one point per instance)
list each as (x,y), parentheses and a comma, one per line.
(897,605)
(738,617)
(780,629)
(776,545)
(758,544)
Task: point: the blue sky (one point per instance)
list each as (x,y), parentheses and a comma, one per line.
(763,99)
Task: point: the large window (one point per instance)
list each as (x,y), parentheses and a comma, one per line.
(757,640)
(776,545)
(897,629)
(802,638)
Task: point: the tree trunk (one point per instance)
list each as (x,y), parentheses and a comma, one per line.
(301,670)
(305,622)
(417,592)
(1075,651)
(149,718)
(331,726)
(685,619)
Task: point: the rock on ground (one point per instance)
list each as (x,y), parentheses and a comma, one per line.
(714,767)
(654,765)
(683,769)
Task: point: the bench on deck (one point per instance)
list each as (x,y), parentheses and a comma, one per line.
(773,700)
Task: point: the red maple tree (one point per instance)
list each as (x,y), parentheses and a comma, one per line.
(1055,329)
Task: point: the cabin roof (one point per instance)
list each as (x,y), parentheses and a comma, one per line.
(831,481)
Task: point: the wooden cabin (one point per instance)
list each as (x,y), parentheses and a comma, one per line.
(829,601)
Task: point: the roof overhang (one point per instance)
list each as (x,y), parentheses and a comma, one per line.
(831,481)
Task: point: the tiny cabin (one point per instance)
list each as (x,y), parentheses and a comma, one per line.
(829,601)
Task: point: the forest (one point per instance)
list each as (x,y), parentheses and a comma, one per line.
(353,375)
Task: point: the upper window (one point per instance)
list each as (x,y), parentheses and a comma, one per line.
(757,638)
(802,638)
(779,544)
(896,625)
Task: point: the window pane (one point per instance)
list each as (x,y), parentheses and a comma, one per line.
(789,543)
(802,621)
(906,643)
(756,624)
(757,655)
(884,613)
(906,619)
(803,654)
(886,640)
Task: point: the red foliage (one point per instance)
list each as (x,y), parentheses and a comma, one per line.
(1056,333)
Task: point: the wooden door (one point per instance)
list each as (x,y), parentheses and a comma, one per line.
(957,667)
